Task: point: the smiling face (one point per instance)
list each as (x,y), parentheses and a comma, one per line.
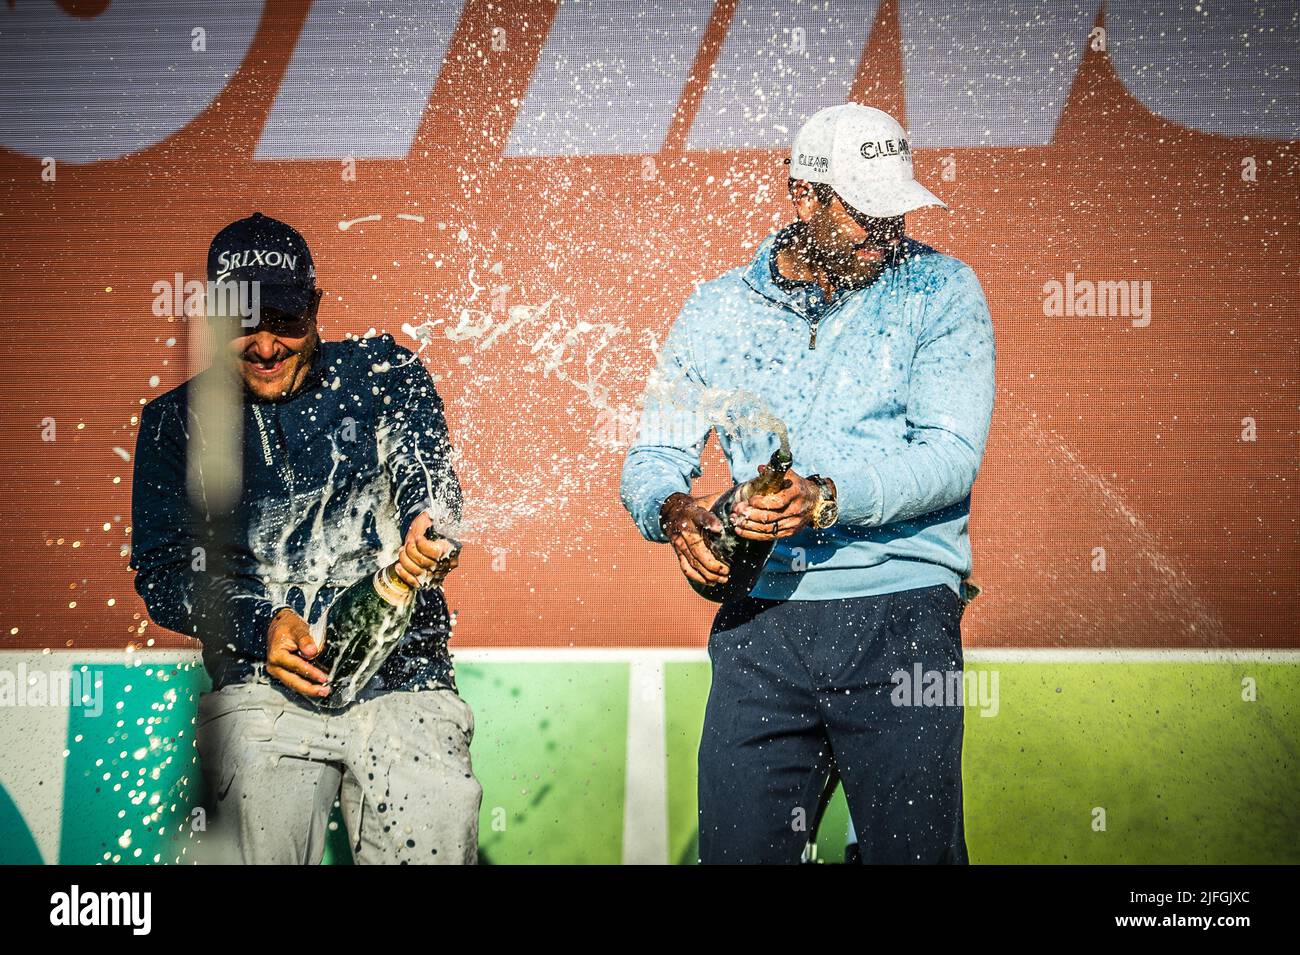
(853,248)
(273,360)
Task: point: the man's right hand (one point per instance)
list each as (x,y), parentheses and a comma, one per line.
(289,645)
(686,520)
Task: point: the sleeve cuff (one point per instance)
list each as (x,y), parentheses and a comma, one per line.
(647,515)
(444,524)
(653,529)
(250,636)
(861,497)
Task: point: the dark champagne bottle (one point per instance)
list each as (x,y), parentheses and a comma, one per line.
(364,625)
(745,557)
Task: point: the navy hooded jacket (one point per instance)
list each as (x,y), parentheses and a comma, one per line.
(332,477)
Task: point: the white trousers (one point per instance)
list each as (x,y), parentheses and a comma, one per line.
(399,765)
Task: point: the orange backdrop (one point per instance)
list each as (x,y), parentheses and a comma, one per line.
(1104,434)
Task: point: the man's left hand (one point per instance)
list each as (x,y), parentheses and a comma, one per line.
(783,513)
(423,562)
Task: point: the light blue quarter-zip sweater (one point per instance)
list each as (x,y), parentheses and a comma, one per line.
(887,390)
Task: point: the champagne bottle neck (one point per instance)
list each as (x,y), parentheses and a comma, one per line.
(391,587)
(770,480)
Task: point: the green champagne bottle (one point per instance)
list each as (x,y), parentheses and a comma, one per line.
(745,557)
(364,625)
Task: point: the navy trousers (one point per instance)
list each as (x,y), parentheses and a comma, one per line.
(805,689)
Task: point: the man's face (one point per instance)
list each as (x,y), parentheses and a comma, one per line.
(850,245)
(273,358)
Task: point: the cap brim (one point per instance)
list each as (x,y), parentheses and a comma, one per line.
(292,299)
(886,200)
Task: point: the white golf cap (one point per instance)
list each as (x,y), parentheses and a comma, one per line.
(864,155)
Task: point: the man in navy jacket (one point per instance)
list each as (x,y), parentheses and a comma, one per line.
(263,487)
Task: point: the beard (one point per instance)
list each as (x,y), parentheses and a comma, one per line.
(287,382)
(843,266)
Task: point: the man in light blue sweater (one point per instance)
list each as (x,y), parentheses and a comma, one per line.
(876,353)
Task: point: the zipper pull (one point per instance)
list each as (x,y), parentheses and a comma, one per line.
(812,338)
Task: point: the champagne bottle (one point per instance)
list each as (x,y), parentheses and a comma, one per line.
(364,625)
(745,557)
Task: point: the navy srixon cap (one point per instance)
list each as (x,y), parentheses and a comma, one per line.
(267,251)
